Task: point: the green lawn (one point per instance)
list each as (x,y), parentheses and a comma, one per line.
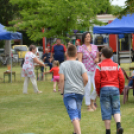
(46,114)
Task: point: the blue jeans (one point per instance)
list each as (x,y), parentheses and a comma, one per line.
(49,64)
(110,102)
(73,103)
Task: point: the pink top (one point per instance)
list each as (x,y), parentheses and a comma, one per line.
(88,57)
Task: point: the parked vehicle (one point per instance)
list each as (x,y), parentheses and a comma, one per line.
(4,59)
(1,51)
(14,54)
(21,50)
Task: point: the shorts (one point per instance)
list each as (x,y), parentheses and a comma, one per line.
(73,103)
(56,78)
(110,102)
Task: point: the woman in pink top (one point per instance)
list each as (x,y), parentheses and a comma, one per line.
(88,54)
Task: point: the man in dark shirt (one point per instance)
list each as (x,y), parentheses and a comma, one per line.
(58,51)
(46,58)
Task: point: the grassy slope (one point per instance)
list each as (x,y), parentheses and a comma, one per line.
(46,114)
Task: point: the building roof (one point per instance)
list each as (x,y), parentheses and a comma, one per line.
(105,17)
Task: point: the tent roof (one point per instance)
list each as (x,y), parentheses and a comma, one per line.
(5,35)
(123,25)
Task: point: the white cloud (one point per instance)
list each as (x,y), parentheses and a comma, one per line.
(118,2)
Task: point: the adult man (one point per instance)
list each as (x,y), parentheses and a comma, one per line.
(58,51)
(46,58)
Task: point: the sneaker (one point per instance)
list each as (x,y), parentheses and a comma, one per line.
(93,107)
(120,131)
(39,92)
(54,90)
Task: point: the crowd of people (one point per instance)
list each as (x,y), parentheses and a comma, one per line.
(75,70)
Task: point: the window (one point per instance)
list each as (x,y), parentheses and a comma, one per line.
(20,48)
(40,49)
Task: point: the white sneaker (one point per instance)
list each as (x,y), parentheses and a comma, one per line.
(39,92)
(54,90)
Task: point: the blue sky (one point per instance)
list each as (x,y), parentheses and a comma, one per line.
(118,2)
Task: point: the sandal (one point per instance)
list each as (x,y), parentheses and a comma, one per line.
(94,108)
(90,109)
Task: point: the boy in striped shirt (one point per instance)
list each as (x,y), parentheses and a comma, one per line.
(109,81)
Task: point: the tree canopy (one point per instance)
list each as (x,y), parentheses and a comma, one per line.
(57,17)
(128,8)
(7,11)
(116,9)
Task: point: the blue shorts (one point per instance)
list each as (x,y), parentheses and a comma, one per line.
(110,102)
(73,103)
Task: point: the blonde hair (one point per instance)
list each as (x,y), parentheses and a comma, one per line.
(56,62)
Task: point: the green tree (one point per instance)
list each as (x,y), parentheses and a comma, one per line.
(128,8)
(116,9)
(58,17)
(7,11)
(108,9)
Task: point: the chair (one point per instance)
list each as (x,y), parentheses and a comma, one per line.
(7,73)
(127,88)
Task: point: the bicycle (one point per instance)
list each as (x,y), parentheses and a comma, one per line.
(5,60)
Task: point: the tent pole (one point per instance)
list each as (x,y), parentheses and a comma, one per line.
(130,48)
(117,49)
(18,59)
(21,40)
(10,56)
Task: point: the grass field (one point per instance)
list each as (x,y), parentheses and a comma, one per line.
(45,113)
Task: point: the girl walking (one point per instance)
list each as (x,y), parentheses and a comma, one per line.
(55,71)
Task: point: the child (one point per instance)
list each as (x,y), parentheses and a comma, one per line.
(131,81)
(109,81)
(130,84)
(73,78)
(69,43)
(55,71)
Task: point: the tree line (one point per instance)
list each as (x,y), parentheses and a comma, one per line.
(58,18)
